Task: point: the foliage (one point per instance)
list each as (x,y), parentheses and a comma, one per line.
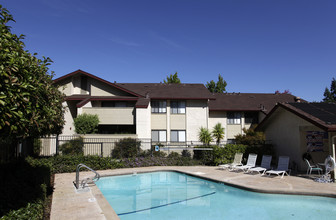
(73,147)
(173,155)
(159,161)
(250,137)
(68,163)
(127,147)
(218,132)
(204,136)
(218,87)
(186,153)
(23,189)
(86,124)
(206,156)
(284,92)
(30,105)
(37,145)
(330,95)
(172,79)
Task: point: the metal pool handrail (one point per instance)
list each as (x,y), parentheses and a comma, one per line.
(96,178)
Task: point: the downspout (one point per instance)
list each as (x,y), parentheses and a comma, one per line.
(333,151)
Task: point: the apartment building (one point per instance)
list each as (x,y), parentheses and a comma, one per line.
(161,112)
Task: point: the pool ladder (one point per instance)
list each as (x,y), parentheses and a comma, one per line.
(87,180)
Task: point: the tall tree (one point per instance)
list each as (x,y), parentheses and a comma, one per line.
(218,87)
(30,104)
(172,79)
(330,95)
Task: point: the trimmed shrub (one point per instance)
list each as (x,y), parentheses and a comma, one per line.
(86,124)
(73,147)
(127,147)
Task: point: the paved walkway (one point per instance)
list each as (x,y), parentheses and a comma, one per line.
(69,204)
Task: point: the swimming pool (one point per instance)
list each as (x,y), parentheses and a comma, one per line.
(174,195)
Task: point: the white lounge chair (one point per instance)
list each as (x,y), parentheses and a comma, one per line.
(236,162)
(313,168)
(251,161)
(264,166)
(282,167)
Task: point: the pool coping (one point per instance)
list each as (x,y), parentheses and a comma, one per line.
(289,185)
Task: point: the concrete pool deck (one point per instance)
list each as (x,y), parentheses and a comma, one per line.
(68,204)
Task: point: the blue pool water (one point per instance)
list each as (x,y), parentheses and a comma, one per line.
(173,195)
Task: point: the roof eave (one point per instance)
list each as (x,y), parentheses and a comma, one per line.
(97,78)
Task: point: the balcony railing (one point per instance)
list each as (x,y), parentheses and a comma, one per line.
(113,116)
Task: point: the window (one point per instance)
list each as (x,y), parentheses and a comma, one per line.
(159,106)
(233,118)
(159,136)
(178,107)
(177,136)
(251,117)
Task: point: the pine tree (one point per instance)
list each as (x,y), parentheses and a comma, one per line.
(330,95)
(172,79)
(218,87)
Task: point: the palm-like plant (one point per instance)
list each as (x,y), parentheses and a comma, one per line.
(204,136)
(218,132)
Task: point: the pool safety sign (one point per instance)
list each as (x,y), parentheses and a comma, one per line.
(315,140)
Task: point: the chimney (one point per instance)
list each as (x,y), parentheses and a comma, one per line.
(297,99)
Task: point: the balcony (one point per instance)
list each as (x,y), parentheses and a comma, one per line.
(112,116)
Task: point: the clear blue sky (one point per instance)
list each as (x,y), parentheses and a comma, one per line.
(257,45)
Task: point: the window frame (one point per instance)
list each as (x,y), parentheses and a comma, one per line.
(234,118)
(178,136)
(158,107)
(177,107)
(159,136)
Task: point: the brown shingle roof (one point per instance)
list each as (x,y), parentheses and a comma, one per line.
(322,115)
(248,101)
(168,91)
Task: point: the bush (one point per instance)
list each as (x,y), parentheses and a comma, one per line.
(23,189)
(86,124)
(174,155)
(205,156)
(159,161)
(127,147)
(73,147)
(186,153)
(250,137)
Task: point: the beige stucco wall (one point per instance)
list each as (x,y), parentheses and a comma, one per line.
(117,116)
(177,121)
(288,135)
(159,121)
(68,128)
(143,122)
(102,89)
(66,87)
(233,130)
(197,117)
